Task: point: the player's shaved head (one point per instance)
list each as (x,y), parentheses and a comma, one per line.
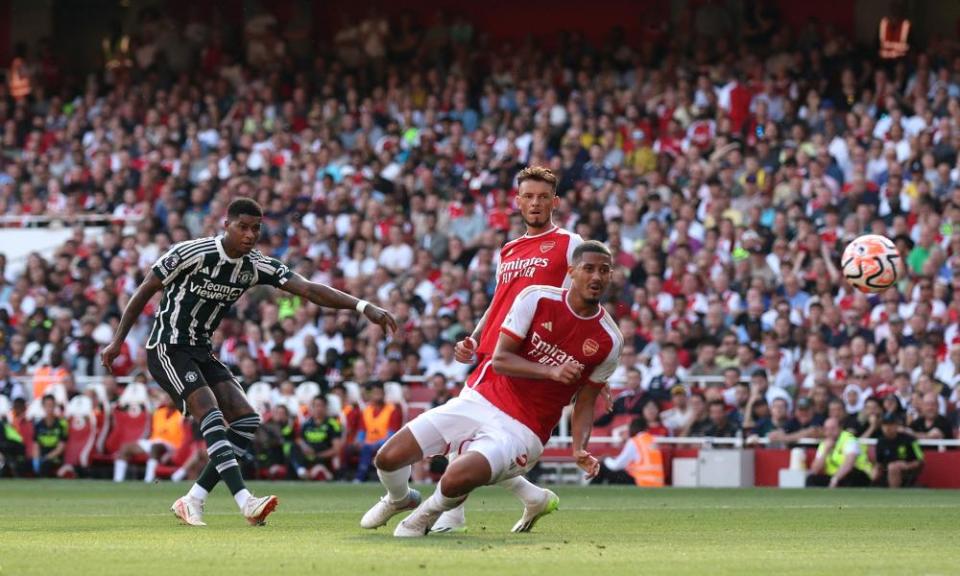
(590,247)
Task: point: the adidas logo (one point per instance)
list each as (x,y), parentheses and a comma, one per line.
(205,271)
(548,326)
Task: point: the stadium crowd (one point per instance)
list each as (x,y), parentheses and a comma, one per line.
(727,176)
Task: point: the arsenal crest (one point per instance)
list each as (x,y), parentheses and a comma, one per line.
(590,346)
(547,246)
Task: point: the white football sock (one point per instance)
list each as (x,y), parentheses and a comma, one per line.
(178,475)
(396,483)
(437,502)
(528,493)
(197,492)
(456,515)
(151,473)
(241,497)
(119,470)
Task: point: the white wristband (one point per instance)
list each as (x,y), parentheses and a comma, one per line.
(362,305)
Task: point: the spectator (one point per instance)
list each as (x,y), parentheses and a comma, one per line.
(804,424)
(668,375)
(719,426)
(318,444)
(49,374)
(441,392)
(447,365)
(49,440)
(640,462)
(9,386)
(679,416)
(840,460)
(629,401)
(651,415)
(380,420)
(699,423)
(165,437)
(12,449)
(930,424)
(899,457)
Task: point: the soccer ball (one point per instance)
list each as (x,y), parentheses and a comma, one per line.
(871,263)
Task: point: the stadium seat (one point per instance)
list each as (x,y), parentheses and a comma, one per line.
(127,426)
(353,392)
(420,394)
(59,392)
(393,392)
(135,394)
(334,406)
(307,391)
(35,409)
(259,394)
(82,436)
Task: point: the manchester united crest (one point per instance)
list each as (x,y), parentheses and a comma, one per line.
(590,346)
(547,246)
(245,278)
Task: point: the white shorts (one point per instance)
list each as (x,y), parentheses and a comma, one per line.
(470,423)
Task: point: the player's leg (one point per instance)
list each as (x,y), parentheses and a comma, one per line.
(213,426)
(393,463)
(177,371)
(463,475)
(124,454)
(242,423)
(157,451)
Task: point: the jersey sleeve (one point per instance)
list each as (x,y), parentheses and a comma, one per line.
(520,316)
(575,240)
(170,264)
(270,271)
(602,373)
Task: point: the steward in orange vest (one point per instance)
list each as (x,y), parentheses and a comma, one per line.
(379,421)
(639,462)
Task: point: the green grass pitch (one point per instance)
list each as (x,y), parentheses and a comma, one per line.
(78,527)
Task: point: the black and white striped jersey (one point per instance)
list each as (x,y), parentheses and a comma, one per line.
(200,282)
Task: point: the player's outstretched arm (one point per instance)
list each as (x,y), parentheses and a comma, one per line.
(508,362)
(151,285)
(328,297)
(582,426)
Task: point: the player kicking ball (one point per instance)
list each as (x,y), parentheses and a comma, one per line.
(554,345)
(200,280)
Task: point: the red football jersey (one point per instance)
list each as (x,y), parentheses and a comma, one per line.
(551,333)
(527,261)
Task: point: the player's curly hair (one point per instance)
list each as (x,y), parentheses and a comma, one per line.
(538,174)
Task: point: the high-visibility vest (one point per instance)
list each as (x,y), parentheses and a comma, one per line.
(377,425)
(647,469)
(167,427)
(19,83)
(893,38)
(45,376)
(834,460)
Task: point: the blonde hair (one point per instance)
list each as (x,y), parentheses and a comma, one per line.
(538,174)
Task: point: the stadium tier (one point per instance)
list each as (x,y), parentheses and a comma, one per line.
(726,175)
